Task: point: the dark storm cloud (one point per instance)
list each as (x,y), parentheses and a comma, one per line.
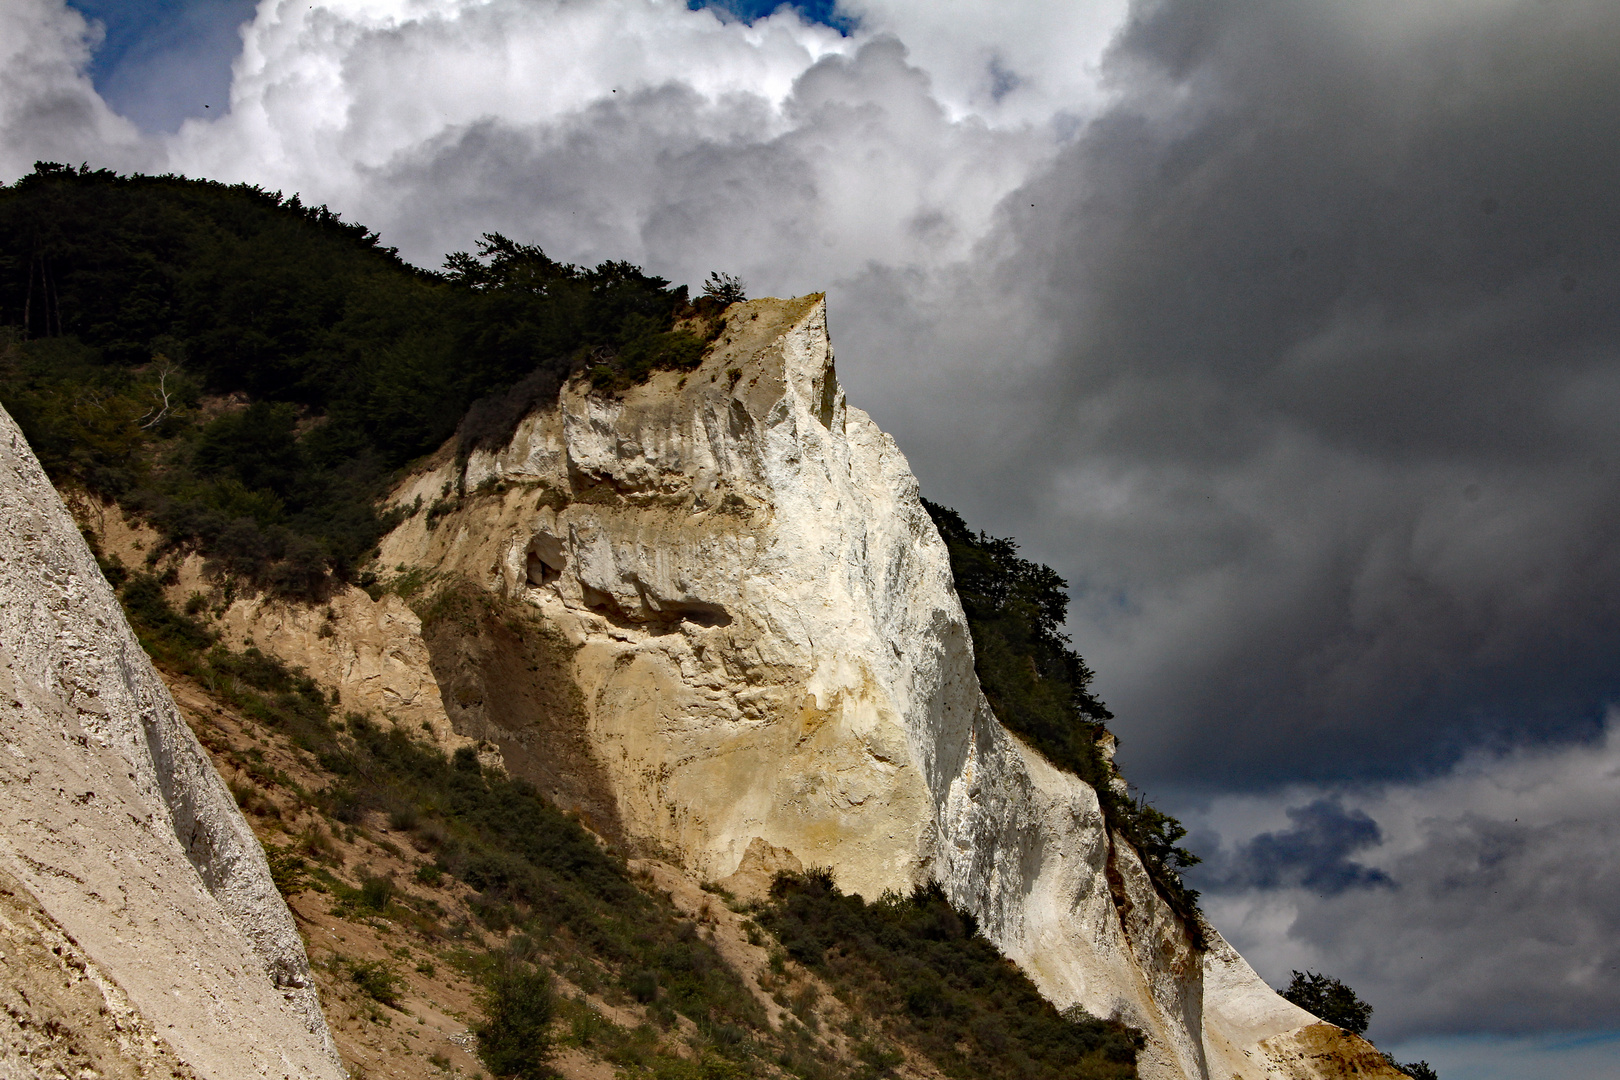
(1313,854)
(1330,447)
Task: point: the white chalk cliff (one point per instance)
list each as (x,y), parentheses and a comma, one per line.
(760,620)
(140,931)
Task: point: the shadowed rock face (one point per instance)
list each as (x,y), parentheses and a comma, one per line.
(771,658)
(507,679)
(119,841)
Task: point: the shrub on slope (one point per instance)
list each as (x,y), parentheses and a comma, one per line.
(922,969)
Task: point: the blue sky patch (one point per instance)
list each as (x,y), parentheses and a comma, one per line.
(816,11)
(164,60)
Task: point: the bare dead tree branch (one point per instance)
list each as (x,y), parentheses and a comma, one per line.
(160,407)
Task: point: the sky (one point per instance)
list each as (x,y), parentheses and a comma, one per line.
(1288,331)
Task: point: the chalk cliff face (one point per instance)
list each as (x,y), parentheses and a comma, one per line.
(140,931)
(758,620)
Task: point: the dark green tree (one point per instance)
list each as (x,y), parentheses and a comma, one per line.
(1417,1070)
(514,1040)
(725,288)
(1329,999)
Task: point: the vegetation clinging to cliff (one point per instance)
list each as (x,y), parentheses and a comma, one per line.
(246,371)
(921,968)
(1040,688)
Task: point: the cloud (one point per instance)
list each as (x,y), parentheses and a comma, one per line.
(318,99)
(48,108)
(1318,426)
(1495,906)
(1017,61)
(1546,1057)
(636,129)
(854,163)
(1313,854)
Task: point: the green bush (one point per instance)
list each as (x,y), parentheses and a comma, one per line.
(1417,1070)
(725,288)
(1329,999)
(167,635)
(288,870)
(643,985)
(375,894)
(378,980)
(514,1040)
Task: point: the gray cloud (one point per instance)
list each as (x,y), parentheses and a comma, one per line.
(1501,910)
(1327,439)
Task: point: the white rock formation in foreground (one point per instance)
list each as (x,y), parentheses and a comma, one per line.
(138,920)
(767,646)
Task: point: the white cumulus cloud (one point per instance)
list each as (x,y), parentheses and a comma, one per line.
(49,111)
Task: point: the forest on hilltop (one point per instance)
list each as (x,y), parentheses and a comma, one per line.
(246,372)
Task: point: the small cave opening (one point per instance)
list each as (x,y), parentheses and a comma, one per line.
(601,602)
(545,560)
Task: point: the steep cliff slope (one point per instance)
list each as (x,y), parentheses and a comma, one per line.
(759,619)
(138,906)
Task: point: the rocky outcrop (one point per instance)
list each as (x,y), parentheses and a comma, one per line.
(370,651)
(771,661)
(133,895)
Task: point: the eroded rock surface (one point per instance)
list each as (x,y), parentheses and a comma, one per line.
(771,660)
(117,835)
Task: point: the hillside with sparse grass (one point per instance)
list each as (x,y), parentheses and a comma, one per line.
(458,922)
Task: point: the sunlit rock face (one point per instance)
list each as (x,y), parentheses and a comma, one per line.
(140,922)
(767,650)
